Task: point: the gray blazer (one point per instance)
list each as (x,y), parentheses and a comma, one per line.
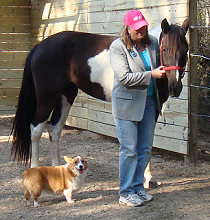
(131,80)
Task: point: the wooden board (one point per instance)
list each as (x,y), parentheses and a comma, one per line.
(16,56)
(10,83)
(171,144)
(14,29)
(14,11)
(8,101)
(11,74)
(13,64)
(12,37)
(18,20)
(77,122)
(9,92)
(7,110)
(15,3)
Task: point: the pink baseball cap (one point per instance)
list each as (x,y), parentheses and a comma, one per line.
(134,19)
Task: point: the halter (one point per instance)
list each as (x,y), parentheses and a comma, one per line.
(168,67)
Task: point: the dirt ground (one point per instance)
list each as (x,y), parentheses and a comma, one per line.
(184,191)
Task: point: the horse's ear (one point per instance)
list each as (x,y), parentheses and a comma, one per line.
(165,26)
(185,25)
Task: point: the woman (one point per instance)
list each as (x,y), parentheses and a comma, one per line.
(134,60)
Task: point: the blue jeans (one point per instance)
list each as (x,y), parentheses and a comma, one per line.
(136,139)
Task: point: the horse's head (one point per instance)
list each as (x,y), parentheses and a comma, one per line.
(173,54)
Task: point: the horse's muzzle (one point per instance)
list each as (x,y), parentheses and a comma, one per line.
(175,92)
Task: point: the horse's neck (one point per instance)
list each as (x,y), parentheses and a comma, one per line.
(155,32)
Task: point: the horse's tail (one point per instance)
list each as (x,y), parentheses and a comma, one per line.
(25,112)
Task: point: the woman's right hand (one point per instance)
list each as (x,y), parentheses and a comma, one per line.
(158,73)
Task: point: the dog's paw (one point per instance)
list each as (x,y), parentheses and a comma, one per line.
(28,203)
(36,204)
(70,201)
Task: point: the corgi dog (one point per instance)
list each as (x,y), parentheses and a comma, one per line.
(58,179)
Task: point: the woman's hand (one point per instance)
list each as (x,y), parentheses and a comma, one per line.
(158,73)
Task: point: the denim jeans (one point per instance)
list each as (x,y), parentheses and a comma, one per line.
(136,139)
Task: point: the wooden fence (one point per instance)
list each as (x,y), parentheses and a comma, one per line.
(14,46)
(105,17)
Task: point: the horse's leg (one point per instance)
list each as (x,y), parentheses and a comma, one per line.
(42,114)
(147,175)
(58,119)
(36,132)
(55,127)
(149,180)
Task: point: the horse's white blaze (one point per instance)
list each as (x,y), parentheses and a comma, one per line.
(55,132)
(177,73)
(101,72)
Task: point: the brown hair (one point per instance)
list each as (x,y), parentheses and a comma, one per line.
(126,38)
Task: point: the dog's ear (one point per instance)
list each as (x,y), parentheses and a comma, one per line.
(67,159)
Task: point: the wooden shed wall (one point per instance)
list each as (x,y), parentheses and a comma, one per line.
(14,46)
(105,17)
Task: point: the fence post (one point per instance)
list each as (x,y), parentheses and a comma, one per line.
(193,80)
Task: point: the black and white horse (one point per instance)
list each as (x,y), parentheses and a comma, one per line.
(62,63)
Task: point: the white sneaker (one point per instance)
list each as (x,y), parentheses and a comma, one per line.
(145,197)
(131,200)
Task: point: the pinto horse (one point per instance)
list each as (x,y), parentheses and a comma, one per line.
(63,63)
